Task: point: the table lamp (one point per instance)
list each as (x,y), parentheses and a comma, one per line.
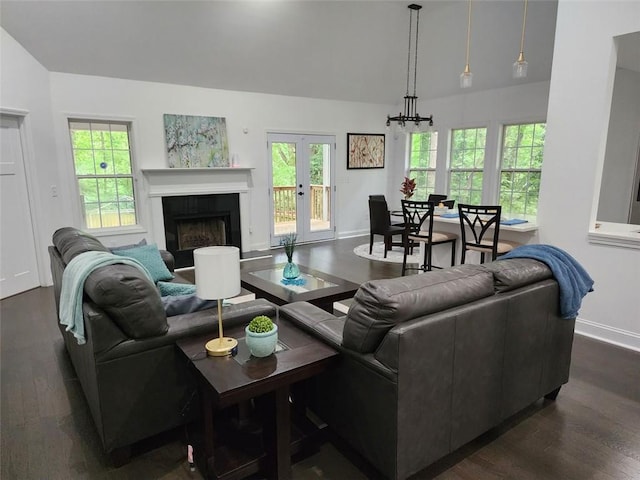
(217,278)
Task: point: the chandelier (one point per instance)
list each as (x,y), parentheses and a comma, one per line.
(410,116)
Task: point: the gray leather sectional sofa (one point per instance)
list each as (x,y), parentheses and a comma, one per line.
(135,381)
(431,361)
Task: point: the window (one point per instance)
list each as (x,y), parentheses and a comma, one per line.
(467,164)
(102,161)
(522,152)
(422,163)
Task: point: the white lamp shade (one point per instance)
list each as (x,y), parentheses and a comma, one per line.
(217,272)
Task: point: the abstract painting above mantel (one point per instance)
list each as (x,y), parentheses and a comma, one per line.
(196,142)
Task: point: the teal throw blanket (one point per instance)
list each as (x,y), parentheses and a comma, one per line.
(73,277)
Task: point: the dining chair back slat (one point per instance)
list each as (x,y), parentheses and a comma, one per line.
(480,231)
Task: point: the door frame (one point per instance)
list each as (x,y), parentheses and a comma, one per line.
(274,240)
(26,142)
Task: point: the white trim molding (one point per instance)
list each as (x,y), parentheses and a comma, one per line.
(605,333)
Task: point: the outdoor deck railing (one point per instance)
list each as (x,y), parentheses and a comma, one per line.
(284,203)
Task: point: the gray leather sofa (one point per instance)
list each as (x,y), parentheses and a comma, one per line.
(431,361)
(136,382)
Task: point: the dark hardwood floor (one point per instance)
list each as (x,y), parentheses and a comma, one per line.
(592,430)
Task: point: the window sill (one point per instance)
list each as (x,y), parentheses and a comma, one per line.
(615,234)
(530,226)
(116,231)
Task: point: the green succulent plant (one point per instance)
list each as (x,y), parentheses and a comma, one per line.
(260,324)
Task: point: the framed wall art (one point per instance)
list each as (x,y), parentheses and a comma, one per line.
(365,150)
(196,142)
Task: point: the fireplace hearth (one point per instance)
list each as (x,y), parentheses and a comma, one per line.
(194,221)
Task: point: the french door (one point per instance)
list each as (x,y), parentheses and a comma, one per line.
(302,186)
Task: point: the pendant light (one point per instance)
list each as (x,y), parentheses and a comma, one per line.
(466,77)
(410,115)
(520,65)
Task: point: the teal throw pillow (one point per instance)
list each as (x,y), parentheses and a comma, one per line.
(149,256)
(172,289)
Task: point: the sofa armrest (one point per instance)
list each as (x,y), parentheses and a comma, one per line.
(167,258)
(328,328)
(315,320)
(191,325)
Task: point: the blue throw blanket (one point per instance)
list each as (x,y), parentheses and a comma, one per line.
(73,277)
(572,278)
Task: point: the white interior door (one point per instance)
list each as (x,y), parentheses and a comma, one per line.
(302,186)
(18,264)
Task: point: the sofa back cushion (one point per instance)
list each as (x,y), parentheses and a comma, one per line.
(513,273)
(122,291)
(380,304)
(71,242)
(129,298)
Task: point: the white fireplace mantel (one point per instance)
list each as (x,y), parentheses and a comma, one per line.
(166,182)
(172,182)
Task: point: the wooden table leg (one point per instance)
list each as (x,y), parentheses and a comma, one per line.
(207,415)
(277,435)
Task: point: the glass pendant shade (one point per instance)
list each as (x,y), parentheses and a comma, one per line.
(520,67)
(466,78)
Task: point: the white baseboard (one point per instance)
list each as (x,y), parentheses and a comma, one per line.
(353,233)
(605,333)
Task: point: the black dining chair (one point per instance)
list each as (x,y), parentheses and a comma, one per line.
(436,198)
(480,230)
(380,224)
(418,220)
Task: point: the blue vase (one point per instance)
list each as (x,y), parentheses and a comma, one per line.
(290,271)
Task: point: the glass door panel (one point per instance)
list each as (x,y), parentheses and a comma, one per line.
(319,187)
(283,194)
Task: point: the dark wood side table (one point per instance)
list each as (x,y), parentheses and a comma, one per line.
(226,381)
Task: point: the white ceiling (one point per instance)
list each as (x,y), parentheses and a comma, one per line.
(345,50)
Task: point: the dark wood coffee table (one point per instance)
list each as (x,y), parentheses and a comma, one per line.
(320,288)
(226,381)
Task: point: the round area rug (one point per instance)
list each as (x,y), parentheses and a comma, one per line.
(393,256)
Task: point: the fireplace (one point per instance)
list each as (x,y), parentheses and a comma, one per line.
(194,221)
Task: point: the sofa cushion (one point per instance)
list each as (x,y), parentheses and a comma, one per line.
(71,242)
(510,274)
(380,304)
(131,245)
(129,298)
(189,303)
(149,256)
(167,289)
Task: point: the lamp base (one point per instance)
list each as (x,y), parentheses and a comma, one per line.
(221,347)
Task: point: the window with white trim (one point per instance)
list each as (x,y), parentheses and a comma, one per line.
(467,165)
(521,168)
(423,155)
(102,161)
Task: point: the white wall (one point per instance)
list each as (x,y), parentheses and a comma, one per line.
(579,104)
(24,89)
(622,148)
(145,103)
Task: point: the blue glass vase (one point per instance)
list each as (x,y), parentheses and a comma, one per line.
(290,270)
